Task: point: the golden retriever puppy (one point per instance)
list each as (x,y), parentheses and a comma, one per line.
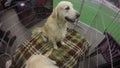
(55,27)
(40,61)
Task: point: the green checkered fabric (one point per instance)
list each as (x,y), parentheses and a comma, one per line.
(66,56)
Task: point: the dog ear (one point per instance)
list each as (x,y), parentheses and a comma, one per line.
(55,13)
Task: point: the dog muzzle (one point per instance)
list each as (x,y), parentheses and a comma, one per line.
(70,20)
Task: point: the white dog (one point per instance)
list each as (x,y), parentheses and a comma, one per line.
(41,61)
(55,27)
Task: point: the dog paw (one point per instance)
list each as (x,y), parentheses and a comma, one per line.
(55,47)
(63,43)
(45,39)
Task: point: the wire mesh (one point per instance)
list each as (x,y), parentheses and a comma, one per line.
(97,15)
(99,22)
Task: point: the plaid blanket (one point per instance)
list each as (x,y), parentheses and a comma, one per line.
(66,56)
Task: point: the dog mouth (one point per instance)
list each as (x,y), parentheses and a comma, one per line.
(70,20)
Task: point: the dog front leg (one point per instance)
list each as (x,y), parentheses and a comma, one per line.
(54,44)
(62,42)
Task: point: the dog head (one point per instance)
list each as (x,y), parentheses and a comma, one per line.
(65,11)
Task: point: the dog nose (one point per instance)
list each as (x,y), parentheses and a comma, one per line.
(77,15)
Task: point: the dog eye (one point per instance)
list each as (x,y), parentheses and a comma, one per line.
(67,8)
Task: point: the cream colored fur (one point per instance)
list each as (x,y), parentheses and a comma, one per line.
(40,61)
(55,27)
